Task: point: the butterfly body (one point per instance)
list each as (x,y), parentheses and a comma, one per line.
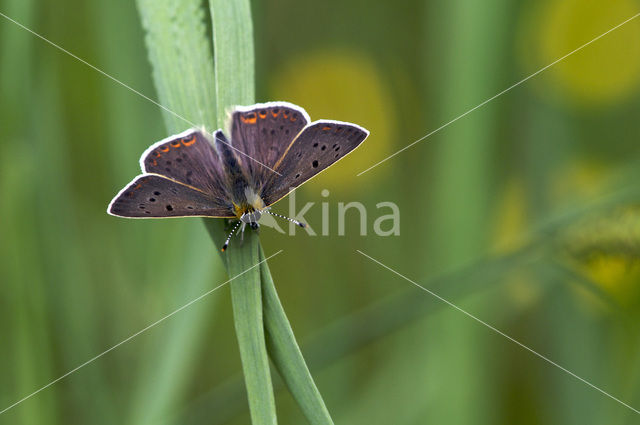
(273,149)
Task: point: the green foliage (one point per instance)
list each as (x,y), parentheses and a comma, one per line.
(180,55)
(233,55)
(286,355)
(187,92)
(247,313)
(180,52)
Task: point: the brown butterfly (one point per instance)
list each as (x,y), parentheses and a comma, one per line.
(273,149)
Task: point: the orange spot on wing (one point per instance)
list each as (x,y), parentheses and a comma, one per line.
(189,142)
(262,114)
(274,113)
(325,128)
(155,163)
(175,143)
(249,118)
(133,189)
(285,114)
(165,149)
(158,154)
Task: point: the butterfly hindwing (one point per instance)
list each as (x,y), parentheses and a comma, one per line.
(188,158)
(262,133)
(155,196)
(317,147)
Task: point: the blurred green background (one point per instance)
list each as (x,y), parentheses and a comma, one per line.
(526,213)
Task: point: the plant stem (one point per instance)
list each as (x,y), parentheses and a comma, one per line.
(182,65)
(286,355)
(233,55)
(247,314)
(191,94)
(234,82)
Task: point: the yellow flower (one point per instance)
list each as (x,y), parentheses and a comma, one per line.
(605,247)
(578,181)
(511,218)
(344,86)
(510,234)
(606,71)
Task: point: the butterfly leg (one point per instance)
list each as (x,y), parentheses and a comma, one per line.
(242,232)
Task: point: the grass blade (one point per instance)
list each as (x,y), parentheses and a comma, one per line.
(247,313)
(233,55)
(286,355)
(187,92)
(180,53)
(234,82)
(182,62)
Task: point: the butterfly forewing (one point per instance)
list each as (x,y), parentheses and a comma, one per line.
(317,147)
(262,133)
(154,196)
(188,158)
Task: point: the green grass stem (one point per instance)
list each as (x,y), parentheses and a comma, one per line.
(201,88)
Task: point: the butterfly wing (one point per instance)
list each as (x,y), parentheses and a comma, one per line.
(188,158)
(156,196)
(262,132)
(317,147)
(183,177)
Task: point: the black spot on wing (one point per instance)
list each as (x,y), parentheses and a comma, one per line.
(315,149)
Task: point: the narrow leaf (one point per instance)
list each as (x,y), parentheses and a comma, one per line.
(234,82)
(181,56)
(286,354)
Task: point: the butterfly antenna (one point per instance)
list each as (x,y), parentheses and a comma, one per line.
(226,243)
(299,223)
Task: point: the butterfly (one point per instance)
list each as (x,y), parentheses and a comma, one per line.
(273,149)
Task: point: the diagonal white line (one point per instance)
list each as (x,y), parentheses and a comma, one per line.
(127,86)
(133,336)
(498,331)
(499,94)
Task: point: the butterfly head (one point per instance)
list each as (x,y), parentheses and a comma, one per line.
(249,210)
(246,214)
